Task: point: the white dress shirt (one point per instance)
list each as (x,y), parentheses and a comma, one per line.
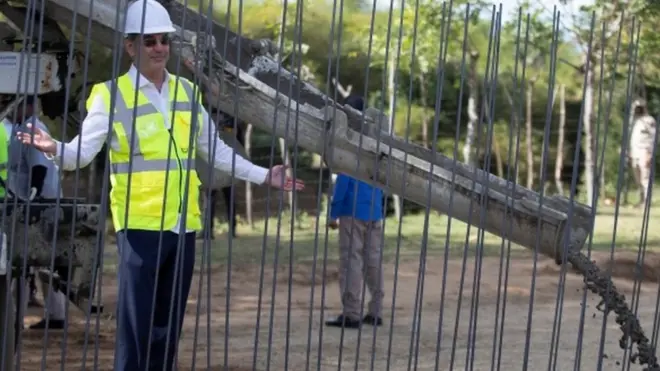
(96,124)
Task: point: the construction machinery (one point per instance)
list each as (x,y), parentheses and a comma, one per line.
(235,71)
(38,233)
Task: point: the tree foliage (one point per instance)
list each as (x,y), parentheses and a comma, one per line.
(430,44)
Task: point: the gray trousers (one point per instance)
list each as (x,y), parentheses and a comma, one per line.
(55,305)
(641,164)
(360,245)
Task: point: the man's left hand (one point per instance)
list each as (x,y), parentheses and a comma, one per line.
(277,178)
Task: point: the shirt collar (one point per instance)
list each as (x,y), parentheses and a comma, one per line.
(133,73)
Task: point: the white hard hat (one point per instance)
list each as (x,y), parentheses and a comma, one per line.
(156,20)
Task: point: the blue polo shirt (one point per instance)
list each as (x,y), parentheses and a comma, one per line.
(367,206)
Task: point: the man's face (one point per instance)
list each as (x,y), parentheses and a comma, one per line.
(151,51)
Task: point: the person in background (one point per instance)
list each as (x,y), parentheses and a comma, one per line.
(31,172)
(642,142)
(32,286)
(357,211)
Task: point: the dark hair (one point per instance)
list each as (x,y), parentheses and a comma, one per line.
(640,110)
(29,99)
(355,101)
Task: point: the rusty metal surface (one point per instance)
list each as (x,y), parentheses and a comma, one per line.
(31,243)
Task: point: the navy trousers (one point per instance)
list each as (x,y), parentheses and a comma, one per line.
(142,273)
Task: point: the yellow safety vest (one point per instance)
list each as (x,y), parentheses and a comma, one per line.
(4,158)
(148,180)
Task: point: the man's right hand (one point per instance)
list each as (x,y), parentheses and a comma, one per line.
(333,224)
(42,140)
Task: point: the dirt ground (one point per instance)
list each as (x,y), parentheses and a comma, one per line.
(373,345)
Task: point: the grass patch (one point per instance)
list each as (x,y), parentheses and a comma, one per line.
(310,241)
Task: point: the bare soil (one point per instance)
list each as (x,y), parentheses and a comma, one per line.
(460,346)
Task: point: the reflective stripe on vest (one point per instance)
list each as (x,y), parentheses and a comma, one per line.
(127,117)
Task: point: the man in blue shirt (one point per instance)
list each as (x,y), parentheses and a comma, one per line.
(357,211)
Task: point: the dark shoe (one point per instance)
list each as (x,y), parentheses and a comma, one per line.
(53,324)
(371,320)
(343,321)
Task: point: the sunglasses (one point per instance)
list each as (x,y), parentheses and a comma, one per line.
(151,41)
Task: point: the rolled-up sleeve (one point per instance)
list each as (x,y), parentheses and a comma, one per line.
(223,158)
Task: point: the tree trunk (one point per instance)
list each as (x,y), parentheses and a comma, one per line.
(471,110)
(513,127)
(286,159)
(588,136)
(528,135)
(248,185)
(600,173)
(425,118)
(559,163)
(499,166)
(392,97)
(498,157)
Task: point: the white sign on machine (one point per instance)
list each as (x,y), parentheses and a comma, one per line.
(28,73)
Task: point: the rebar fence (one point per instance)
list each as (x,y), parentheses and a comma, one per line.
(343,185)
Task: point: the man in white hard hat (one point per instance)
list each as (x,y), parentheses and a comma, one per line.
(154,271)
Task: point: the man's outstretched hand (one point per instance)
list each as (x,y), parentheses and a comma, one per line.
(40,140)
(277,178)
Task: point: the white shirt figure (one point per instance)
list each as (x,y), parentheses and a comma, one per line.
(21,160)
(642,137)
(95,126)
